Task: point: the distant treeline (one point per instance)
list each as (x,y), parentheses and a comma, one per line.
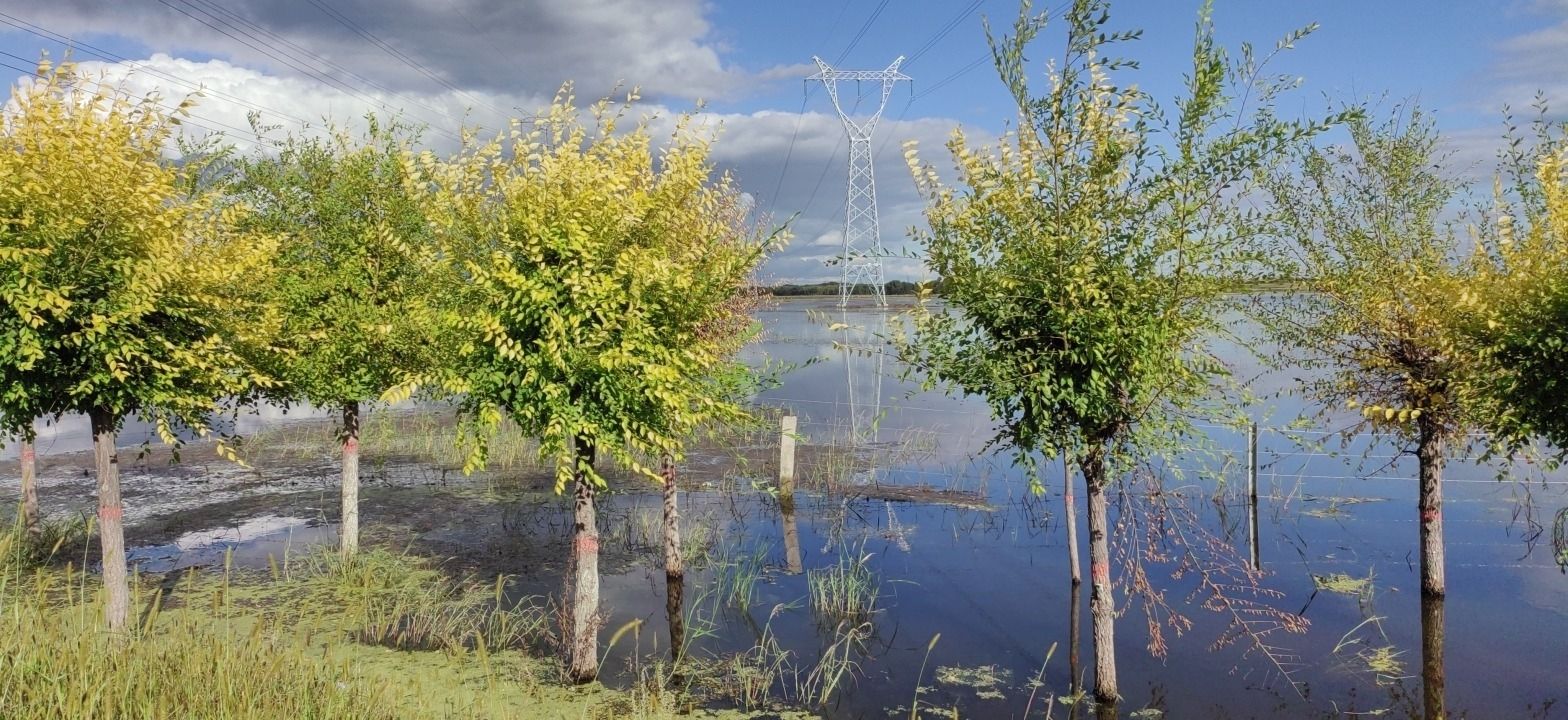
(904,287)
(894,287)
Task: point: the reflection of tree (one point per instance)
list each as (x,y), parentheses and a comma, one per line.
(1157,527)
(1432,676)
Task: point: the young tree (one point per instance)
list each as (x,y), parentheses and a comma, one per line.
(606,285)
(115,278)
(1083,260)
(1514,315)
(355,278)
(1360,225)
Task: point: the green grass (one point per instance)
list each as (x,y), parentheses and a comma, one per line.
(426,436)
(383,636)
(845,591)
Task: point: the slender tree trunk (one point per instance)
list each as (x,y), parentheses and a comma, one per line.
(111,521)
(1072,523)
(1074,640)
(1432,677)
(1431,452)
(674,613)
(585,564)
(1102,604)
(674,566)
(29,460)
(350,540)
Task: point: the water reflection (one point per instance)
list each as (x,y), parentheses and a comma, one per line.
(1433,679)
(674,613)
(865,359)
(1074,639)
(792,561)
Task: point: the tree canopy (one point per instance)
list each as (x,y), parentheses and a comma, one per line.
(604,285)
(116,271)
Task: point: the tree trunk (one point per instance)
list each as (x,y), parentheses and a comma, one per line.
(584,631)
(1431,452)
(674,567)
(673,564)
(1102,604)
(1074,640)
(350,527)
(111,521)
(674,613)
(1432,677)
(29,461)
(1072,523)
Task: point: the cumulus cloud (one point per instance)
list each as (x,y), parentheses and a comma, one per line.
(480,46)
(794,166)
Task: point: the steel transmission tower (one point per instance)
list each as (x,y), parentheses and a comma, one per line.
(863,253)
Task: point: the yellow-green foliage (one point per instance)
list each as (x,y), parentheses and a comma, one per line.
(1360,224)
(1083,259)
(1516,314)
(605,292)
(116,269)
(354,277)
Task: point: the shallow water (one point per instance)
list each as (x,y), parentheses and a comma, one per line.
(993,583)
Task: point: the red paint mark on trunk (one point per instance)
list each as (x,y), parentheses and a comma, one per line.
(111,513)
(28,454)
(587,543)
(1430,515)
(1100,572)
(351,445)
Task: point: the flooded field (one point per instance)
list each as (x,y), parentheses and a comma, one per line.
(950,578)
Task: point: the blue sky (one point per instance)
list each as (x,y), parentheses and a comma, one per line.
(445,62)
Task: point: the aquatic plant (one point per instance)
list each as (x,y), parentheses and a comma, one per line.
(846,590)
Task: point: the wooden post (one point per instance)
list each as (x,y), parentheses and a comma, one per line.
(792,558)
(787,455)
(1252,495)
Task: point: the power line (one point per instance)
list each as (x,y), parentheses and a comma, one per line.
(189,118)
(300,50)
(944,31)
(291,63)
(799,118)
(108,56)
(398,54)
(864,28)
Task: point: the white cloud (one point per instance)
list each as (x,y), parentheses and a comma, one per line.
(809,192)
(482,46)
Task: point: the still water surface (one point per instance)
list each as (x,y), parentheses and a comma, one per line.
(993,582)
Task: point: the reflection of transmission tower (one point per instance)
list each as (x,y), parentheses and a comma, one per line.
(864,363)
(863,253)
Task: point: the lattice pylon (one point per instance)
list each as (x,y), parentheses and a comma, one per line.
(862,250)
